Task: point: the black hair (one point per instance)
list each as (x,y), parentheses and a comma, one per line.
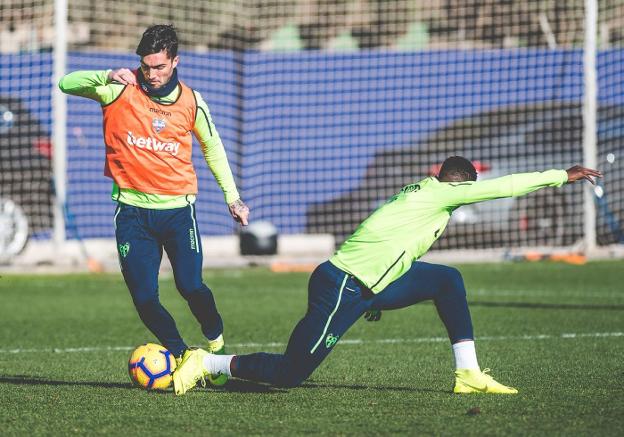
(457,168)
(158,38)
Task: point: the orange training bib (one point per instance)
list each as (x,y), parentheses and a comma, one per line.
(149,145)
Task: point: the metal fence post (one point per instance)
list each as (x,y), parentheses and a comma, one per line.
(590,114)
(59,120)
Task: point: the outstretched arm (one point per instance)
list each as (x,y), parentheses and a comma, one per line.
(463,193)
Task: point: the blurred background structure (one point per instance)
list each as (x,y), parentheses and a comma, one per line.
(313,24)
(326,108)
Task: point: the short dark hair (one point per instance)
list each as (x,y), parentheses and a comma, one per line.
(158,38)
(457,168)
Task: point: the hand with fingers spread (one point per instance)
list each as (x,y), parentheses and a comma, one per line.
(123,76)
(578,172)
(239,211)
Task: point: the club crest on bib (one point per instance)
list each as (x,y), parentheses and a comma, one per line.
(158,124)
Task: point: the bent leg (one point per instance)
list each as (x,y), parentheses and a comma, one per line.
(183,246)
(443,284)
(334,303)
(139,259)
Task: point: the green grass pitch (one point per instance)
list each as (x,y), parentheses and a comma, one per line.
(554,331)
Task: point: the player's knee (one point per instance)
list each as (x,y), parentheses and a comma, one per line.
(453,281)
(190,290)
(145,302)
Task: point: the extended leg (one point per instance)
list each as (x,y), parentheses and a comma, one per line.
(183,245)
(445,286)
(139,259)
(334,303)
(442,284)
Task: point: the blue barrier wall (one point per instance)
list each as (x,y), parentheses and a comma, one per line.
(301,128)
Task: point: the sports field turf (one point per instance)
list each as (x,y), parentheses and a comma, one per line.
(554,331)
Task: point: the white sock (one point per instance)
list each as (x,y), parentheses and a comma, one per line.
(465,355)
(219,339)
(216,364)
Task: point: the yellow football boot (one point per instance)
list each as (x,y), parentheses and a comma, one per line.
(190,371)
(217,347)
(476,381)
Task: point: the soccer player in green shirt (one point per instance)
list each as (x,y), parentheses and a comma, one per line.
(376,269)
(148,119)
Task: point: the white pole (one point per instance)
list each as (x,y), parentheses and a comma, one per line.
(590,110)
(59,120)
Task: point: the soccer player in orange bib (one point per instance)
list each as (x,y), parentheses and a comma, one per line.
(148,119)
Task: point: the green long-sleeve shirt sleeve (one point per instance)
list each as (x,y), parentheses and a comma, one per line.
(514,185)
(214,152)
(386,244)
(95,85)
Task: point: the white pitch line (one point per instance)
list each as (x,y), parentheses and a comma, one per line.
(542,293)
(354,341)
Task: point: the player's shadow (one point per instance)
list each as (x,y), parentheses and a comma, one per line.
(373,388)
(37,380)
(241,386)
(236,386)
(554,306)
(232,386)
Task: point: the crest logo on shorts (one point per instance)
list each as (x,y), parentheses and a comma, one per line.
(124,249)
(158,124)
(331,340)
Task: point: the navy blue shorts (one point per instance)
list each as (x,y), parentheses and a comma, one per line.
(336,300)
(142,234)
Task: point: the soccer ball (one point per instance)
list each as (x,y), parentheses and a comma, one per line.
(150,366)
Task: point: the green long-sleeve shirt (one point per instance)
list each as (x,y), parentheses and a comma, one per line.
(95,85)
(384,246)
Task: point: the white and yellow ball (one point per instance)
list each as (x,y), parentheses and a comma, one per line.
(150,367)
